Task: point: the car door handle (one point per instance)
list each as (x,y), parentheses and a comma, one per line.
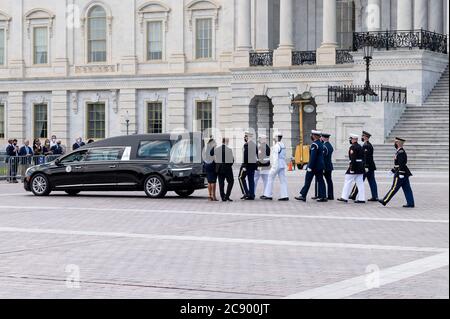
(78,167)
(113,166)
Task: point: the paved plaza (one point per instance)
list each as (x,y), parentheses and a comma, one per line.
(124,245)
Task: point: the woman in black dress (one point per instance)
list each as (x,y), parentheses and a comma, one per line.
(210,167)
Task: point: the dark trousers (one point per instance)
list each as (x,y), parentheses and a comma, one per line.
(321,189)
(398,183)
(370,176)
(328,175)
(13,163)
(248,189)
(229,178)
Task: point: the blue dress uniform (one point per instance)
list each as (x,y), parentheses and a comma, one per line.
(329,168)
(316,167)
(369,174)
(401,179)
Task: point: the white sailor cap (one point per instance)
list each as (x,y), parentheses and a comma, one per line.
(248,133)
(278,134)
(354,136)
(262,136)
(314,132)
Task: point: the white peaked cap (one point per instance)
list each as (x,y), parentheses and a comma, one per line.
(314,132)
(263,136)
(354,135)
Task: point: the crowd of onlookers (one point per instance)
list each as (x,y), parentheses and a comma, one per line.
(20,157)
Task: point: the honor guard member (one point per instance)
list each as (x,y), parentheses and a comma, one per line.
(355,172)
(401,176)
(279,165)
(248,168)
(263,170)
(224,159)
(328,151)
(315,169)
(370,167)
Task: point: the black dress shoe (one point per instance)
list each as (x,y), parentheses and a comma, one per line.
(314,198)
(249,198)
(244,197)
(409,206)
(359,202)
(342,200)
(374,200)
(331,198)
(229,200)
(382,202)
(284,199)
(301,198)
(266,198)
(322,200)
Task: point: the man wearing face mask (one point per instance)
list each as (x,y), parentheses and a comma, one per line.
(401,176)
(79,143)
(57,149)
(53,141)
(315,169)
(370,167)
(355,172)
(279,165)
(12,150)
(248,168)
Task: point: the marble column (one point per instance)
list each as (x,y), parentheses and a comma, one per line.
(374,15)
(326,54)
(244,34)
(436,16)
(244,41)
(404,15)
(421,14)
(283,56)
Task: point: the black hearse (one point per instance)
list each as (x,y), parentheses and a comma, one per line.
(154,163)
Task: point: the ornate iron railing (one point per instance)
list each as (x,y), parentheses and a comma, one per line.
(303,57)
(354,93)
(389,40)
(261,58)
(344,57)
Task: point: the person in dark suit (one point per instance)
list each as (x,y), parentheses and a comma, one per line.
(79,143)
(371,168)
(57,149)
(401,176)
(248,168)
(328,151)
(315,169)
(355,172)
(12,151)
(26,153)
(223,156)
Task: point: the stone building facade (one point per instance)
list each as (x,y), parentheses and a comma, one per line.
(98,69)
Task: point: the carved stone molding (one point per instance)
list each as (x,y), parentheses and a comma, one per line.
(206,7)
(203,97)
(74,99)
(5,21)
(154,97)
(40,100)
(151,11)
(39,14)
(97,68)
(115,100)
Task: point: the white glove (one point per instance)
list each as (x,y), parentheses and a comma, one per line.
(309,170)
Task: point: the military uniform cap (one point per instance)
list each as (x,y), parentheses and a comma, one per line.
(354,136)
(365,133)
(314,132)
(400,139)
(326,135)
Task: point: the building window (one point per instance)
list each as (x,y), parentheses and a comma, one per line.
(40,121)
(154,40)
(2,46)
(40,45)
(96,120)
(346,14)
(204,116)
(154,118)
(204,38)
(2,120)
(97,35)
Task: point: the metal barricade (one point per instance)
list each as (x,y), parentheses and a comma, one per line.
(13,168)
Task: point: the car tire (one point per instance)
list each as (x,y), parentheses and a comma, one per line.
(185,193)
(40,185)
(155,187)
(72,193)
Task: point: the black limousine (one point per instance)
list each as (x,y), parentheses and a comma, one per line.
(154,163)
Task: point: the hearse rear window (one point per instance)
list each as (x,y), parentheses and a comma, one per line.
(154,150)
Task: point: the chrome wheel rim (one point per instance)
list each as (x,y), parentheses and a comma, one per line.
(39,185)
(154,186)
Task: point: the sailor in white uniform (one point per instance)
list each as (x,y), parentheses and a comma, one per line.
(279,165)
(263,162)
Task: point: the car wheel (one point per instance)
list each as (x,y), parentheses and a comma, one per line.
(155,187)
(185,193)
(72,193)
(40,186)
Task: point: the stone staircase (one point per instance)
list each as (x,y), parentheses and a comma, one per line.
(426,129)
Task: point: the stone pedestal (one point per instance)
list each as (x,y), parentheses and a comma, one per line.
(61,67)
(241,59)
(282,57)
(128,65)
(326,55)
(177,63)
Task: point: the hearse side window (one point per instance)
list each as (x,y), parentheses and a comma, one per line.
(185,152)
(104,154)
(74,157)
(154,150)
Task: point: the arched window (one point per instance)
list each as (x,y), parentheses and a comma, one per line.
(97,37)
(346,16)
